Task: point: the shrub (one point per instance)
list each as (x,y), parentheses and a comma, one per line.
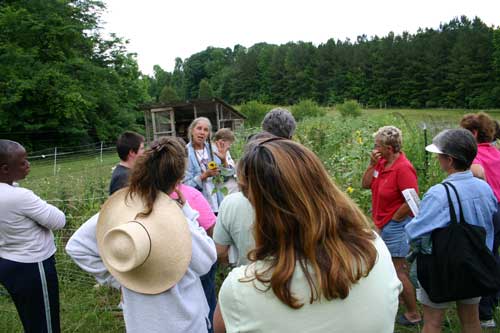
(255,112)
(349,109)
(307,108)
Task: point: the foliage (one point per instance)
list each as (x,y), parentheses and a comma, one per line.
(307,108)
(255,112)
(435,67)
(205,91)
(60,79)
(349,109)
(168,95)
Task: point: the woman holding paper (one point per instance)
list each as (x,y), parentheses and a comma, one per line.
(387,175)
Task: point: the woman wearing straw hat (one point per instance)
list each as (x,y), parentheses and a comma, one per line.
(317,266)
(156,251)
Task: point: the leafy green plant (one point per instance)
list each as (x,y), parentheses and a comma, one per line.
(349,108)
(307,108)
(255,112)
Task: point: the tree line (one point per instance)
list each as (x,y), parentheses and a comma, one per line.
(63,83)
(454,66)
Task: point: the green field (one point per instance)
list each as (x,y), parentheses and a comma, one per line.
(79,187)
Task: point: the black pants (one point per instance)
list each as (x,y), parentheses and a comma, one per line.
(35,292)
(488,303)
(208,283)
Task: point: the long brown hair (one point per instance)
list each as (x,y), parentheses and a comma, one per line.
(160,169)
(302,218)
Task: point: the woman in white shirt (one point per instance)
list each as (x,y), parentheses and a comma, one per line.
(316,266)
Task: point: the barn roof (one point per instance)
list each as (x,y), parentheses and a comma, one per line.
(188,105)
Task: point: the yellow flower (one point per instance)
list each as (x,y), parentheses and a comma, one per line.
(350,190)
(360,140)
(212,165)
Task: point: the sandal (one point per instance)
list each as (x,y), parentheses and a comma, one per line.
(402,320)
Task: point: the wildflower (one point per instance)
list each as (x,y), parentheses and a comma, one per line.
(212,165)
(360,140)
(350,190)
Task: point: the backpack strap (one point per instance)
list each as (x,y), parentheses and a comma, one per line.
(462,218)
(453,216)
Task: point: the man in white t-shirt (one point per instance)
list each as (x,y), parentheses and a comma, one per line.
(27,265)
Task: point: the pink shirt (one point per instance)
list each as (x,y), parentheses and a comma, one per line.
(198,202)
(488,156)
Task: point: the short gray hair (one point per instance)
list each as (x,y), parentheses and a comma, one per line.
(279,122)
(390,136)
(460,144)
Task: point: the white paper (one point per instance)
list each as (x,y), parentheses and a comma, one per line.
(412,199)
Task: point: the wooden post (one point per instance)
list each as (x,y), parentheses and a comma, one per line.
(195,112)
(217,108)
(154,124)
(172,122)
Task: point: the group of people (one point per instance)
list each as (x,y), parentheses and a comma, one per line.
(305,257)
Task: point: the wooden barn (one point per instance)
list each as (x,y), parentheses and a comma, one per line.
(174,118)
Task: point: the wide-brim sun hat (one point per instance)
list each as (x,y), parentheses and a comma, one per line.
(149,254)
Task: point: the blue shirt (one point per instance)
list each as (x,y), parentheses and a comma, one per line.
(478,202)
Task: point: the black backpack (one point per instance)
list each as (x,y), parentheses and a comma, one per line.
(461,266)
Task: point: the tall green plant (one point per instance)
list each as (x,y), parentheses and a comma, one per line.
(349,109)
(307,108)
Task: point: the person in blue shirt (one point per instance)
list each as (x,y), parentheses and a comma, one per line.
(455,149)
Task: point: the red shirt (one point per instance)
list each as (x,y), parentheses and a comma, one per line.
(387,185)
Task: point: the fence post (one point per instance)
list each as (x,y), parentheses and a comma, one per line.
(101,150)
(55,161)
(426,161)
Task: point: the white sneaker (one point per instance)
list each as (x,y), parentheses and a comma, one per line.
(488,323)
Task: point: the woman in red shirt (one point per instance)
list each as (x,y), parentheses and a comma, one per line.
(388,174)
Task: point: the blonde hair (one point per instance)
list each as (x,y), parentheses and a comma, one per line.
(390,136)
(224,134)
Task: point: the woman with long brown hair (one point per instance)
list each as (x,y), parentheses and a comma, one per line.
(151,246)
(316,266)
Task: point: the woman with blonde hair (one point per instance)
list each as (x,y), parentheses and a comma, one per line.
(388,174)
(317,266)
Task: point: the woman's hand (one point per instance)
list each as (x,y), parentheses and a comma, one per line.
(375,156)
(181,199)
(209,173)
(222,149)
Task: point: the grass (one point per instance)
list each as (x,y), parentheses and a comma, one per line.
(80,186)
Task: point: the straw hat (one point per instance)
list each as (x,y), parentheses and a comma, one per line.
(147,255)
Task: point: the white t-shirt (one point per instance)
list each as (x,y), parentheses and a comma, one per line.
(26,224)
(371,306)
